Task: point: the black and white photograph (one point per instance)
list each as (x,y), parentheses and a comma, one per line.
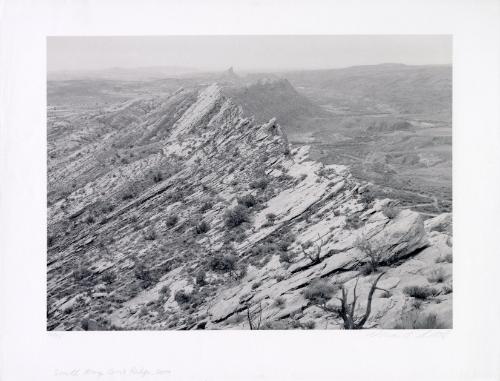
(250,190)
(249,182)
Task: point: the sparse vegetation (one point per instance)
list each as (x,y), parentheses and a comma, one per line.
(202,227)
(448,289)
(247,200)
(448,258)
(367,197)
(313,254)
(150,234)
(143,274)
(165,292)
(437,276)
(149,250)
(82,272)
(287,256)
(236,216)
(373,254)
(353,221)
(259,183)
(172,220)
(415,320)
(420,292)
(108,277)
(223,263)
(390,212)
(279,302)
(254,316)
(271,217)
(182,297)
(319,292)
(207,205)
(201,278)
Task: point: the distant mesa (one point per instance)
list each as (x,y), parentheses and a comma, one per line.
(229,76)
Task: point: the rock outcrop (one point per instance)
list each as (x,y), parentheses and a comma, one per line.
(178,212)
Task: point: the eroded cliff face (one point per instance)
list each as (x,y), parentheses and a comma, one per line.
(177,212)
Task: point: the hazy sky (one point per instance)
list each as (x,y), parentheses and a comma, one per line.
(245,53)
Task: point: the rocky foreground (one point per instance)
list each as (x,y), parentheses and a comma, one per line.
(178,212)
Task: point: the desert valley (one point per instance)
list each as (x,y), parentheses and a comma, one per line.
(314,199)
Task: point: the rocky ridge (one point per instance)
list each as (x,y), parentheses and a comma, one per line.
(179,212)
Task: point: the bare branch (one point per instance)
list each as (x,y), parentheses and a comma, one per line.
(369,302)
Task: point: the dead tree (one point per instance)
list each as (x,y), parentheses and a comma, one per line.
(373,254)
(314,255)
(347,310)
(254,318)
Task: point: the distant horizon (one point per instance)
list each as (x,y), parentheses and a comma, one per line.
(275,53)
(194,70)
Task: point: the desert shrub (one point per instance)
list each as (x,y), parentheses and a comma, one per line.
(287,256)
(202,227)
(307,244)
(271,217)
(182,297)
(201,278)
(207,205)
(279,277)
(256,285)
(90,219)
(81,272)
(367,197)
(171,220)
(429,321)
(142,273)
(373,254)
(143,312)
(274,325)
(448,258)
(264,248)
(108,277)
(149,234)
(285,241)
(309,324)
(157,176)
(319,292)
(314,250)
(259,183)
(130,191)
(279,302)
(437,276)
(447,289)
(366,269)
(386,294)
(236,234)
(415,320)
(390,212)
(417,304)
(223,263)
(352,221)
(165,291)
(241,271)
(247,200)
(236,216)
(420,292)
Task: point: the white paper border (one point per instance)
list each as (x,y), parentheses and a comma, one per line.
(469,352)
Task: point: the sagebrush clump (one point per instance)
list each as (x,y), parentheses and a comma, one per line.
(236,216)
(420,292)
(223,263)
